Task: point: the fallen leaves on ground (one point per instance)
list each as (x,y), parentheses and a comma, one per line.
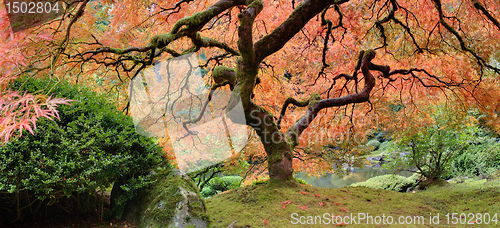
(284,203)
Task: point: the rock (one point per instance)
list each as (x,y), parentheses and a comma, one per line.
(172,201)
(373,144)
(380,158)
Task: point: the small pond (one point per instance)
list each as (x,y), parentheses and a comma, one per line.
(356,175)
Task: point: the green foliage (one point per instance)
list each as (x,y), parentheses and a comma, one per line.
(390,182)
(302,181)
(208,191)
(431,149)
(261,182)
(386,146)
(481,159)
(221,184)
(454,145)
(89,148)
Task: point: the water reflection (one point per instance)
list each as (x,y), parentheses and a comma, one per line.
(357,175)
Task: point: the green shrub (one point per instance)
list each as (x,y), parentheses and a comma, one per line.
(67,161)
(208,191)
(232,182)
(430,149)
(225,183)
(482,159)
(220,184)
(390,182)
(302,181)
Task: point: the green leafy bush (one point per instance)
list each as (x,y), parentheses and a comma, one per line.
(208,191)
(220,184)
(67,161)
(482,159)
(302,181)
(430,149)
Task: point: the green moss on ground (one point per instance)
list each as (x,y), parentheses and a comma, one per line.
(258,205)
(390,182)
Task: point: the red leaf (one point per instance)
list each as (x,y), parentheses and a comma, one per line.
(322,203)
(343,209)
(284,203)
(338,204)
(304,193)
(304,207)
(317,195)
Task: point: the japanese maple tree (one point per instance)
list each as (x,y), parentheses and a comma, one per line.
(300,68)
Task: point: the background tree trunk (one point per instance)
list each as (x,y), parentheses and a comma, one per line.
(279,161)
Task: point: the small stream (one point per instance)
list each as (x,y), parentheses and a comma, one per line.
(356,175)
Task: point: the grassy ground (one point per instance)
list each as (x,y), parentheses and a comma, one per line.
(265,206)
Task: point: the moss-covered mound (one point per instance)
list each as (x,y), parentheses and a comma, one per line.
(390,182)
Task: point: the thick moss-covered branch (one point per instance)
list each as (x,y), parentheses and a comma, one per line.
(196,21)
(288,101)
(245,41)
(209,42)
(247,66)
(275,40)
(118,51)
(222,74)
(189,26)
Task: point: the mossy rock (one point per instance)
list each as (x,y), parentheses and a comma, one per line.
(172,201)
(373,144)
(391,182)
